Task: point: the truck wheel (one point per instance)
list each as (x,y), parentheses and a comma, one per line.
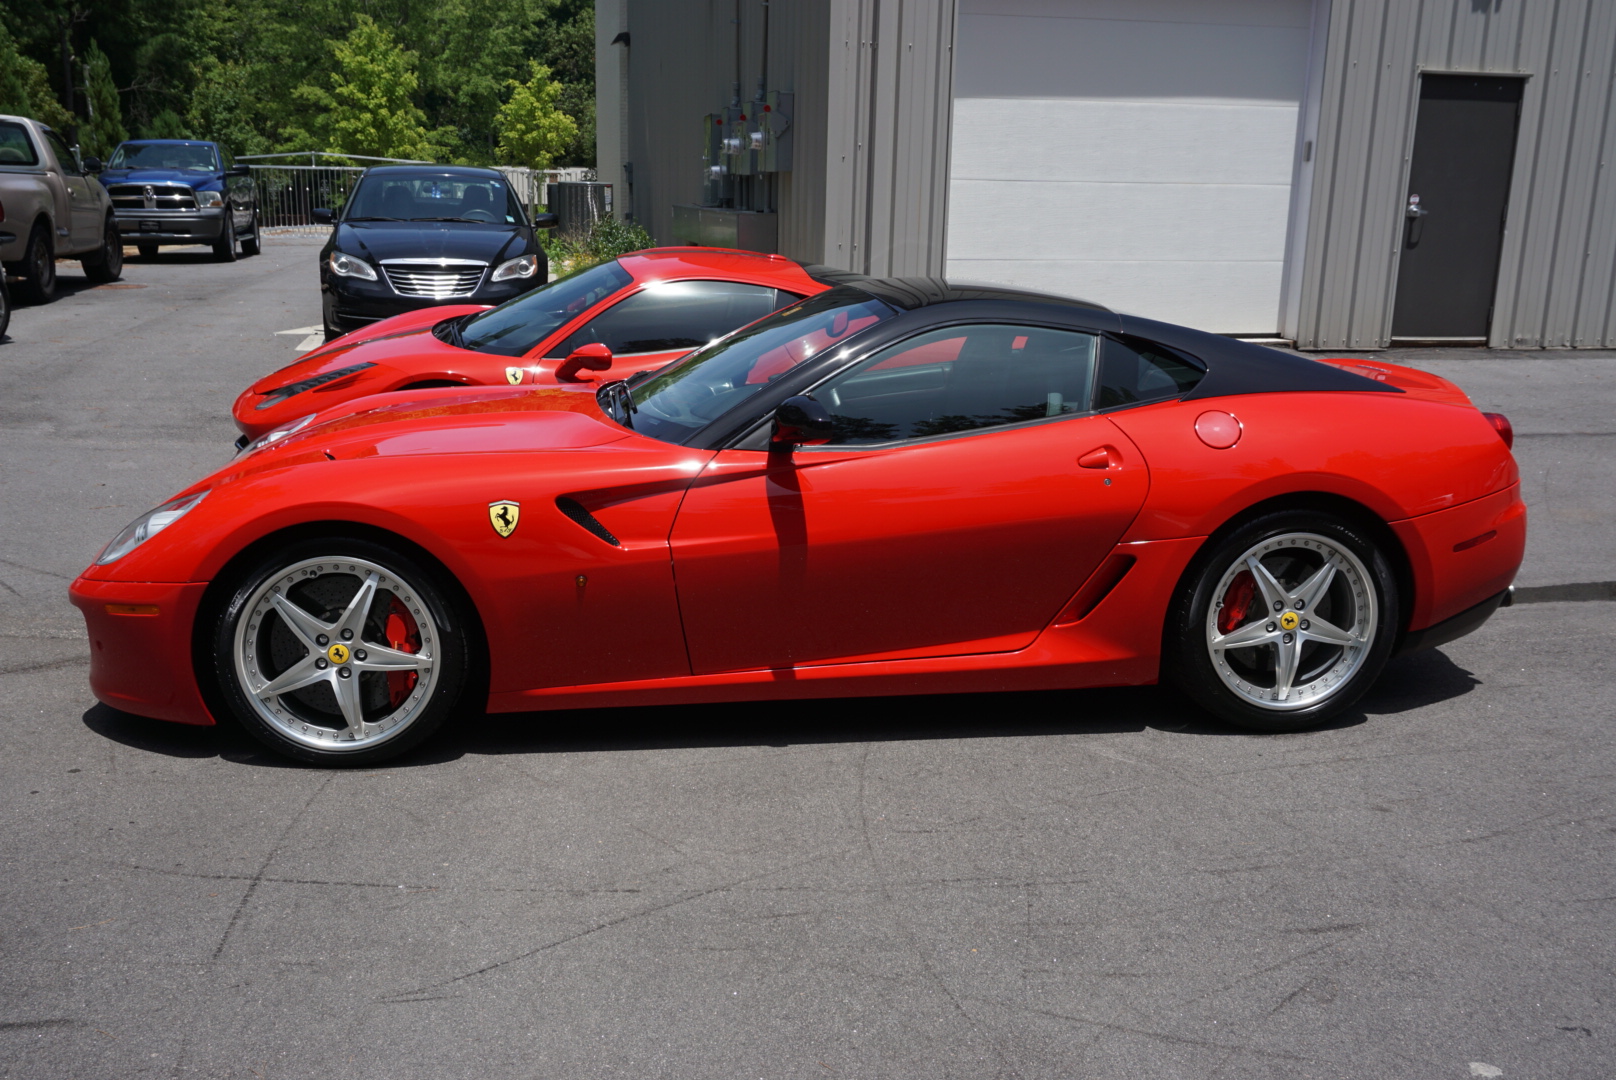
(250,244)
(5,306)
(106,262)
(224,248)
(39,267)
(147,251)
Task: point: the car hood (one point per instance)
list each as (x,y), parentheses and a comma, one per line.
(469,420)
(383,240)
(158,176)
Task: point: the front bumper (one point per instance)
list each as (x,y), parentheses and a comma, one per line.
(140,646)
(351,303)
(170,226)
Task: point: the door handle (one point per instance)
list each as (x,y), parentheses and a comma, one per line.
(1414,210)
(1106,457)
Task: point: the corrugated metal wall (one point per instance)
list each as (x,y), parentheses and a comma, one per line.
(890,108)
(1556,274)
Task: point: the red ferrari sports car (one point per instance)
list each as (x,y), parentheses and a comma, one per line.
(630,314)
(891,487)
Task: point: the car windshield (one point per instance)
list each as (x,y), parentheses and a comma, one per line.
(434,196)
(164,156)
(681,400)
(516,326)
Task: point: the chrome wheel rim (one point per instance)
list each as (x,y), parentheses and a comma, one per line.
(1291,621)
(336,654)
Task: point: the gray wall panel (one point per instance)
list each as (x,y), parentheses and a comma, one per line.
(1559,258)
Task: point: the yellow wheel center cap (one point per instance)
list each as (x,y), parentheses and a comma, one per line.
(338,653)
(1287,620)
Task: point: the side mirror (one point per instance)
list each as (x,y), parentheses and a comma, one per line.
(239,170)
(545,221)
(593,357)
(321,215)
(92,164)
(799,420)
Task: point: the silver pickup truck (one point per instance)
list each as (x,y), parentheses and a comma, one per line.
(51,205)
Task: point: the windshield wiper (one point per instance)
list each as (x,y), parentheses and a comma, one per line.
(615,394)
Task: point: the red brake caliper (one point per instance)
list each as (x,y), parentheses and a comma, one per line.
(403,635)
(1236,602)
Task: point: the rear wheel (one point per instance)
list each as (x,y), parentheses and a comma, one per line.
(5,306)
(106,263)
(251,244)
(340,652)
(1284,623)
(224,248)
(39,267)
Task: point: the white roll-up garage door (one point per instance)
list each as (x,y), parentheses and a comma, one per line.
(1138,153)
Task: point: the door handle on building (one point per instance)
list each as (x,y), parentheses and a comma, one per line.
(1414,211)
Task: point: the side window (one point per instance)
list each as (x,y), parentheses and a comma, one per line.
(16,148)
(1135,371)
(64,157)
(961,379)
(676,315)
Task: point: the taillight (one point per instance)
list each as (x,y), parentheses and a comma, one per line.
(1501,424)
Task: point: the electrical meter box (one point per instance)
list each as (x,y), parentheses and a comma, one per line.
(714,164)
(738,154)
(772,132)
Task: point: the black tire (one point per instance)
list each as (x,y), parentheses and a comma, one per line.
(224,248)
(106,263)
(5,306)
(39,266)
(148,252)
(1243,683)
(308,722)
(251,244)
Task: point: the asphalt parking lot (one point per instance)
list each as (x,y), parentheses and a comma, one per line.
(1096,884)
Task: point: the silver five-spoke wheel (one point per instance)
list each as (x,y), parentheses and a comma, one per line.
(341,652)
(1293,620)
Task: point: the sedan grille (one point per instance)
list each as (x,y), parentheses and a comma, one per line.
(162,197)
(434,283)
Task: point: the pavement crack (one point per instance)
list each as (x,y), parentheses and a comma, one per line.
(253,882)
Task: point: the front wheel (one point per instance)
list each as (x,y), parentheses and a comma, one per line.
(224,248)
(1284,623)
(39,266)
(340,652)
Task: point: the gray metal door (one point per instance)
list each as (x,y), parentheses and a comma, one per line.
(1458,192)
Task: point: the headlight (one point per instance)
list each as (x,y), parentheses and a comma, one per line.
(345,265)
(278,434)
(209,200)
(524,267)
(146,526)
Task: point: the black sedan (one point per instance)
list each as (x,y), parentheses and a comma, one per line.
(414,236)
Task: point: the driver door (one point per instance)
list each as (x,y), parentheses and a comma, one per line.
(950,516)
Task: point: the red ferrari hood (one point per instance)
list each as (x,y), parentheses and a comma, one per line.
(403,335)
(444,421)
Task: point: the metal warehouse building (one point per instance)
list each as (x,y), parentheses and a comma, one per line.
(1347,174)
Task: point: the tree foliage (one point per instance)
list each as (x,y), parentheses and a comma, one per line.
(104,130)
(532,130)
(236,71)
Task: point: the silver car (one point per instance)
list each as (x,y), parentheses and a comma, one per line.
(51,206)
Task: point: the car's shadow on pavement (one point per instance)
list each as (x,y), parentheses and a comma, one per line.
(1408,683)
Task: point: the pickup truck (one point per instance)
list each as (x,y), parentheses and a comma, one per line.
(182,191)
(50,206)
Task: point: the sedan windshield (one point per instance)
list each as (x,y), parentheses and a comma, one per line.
(684,398)
(164,156)
(516,326)
(434,196)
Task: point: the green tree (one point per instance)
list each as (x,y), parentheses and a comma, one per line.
(25,86)
(370,108)
(532,130)
(105,129)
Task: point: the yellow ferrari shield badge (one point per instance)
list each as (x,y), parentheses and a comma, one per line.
(503,515)
(513,375)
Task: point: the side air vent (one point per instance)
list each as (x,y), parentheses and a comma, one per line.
(577,513)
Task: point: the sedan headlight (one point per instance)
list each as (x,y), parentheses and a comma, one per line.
(345,265)
(209,200)
(146,526)
(278,434)
(523,267)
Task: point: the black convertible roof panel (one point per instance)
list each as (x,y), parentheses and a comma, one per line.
(1239,367)
(909,293)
